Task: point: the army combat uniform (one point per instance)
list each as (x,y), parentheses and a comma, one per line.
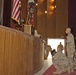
(70,47)
(61,62)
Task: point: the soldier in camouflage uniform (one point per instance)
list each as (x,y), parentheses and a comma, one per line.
(70,47)
(60,61)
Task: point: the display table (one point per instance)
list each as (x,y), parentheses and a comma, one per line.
(20,53)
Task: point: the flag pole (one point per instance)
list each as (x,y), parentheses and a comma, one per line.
(27,18)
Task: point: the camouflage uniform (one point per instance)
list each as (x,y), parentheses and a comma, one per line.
(75,60)
(70,48)
(60,62)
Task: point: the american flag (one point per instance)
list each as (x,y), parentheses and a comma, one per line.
(16,12)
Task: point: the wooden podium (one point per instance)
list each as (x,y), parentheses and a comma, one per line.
(27,29)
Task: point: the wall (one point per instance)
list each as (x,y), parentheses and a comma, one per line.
(42,18)
(7,13)
(0,10)
(52,25)
(72,15)
(24,9)
(61,17)
(51,20)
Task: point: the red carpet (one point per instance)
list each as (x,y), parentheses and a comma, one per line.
(51,69)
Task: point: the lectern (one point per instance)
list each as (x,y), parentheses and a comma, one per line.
(27,29)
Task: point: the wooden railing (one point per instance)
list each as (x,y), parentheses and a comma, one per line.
(20,53)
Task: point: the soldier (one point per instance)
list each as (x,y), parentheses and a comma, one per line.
(60,45)
(60,61)
(70,47)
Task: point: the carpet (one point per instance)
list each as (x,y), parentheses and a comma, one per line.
(51,69)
